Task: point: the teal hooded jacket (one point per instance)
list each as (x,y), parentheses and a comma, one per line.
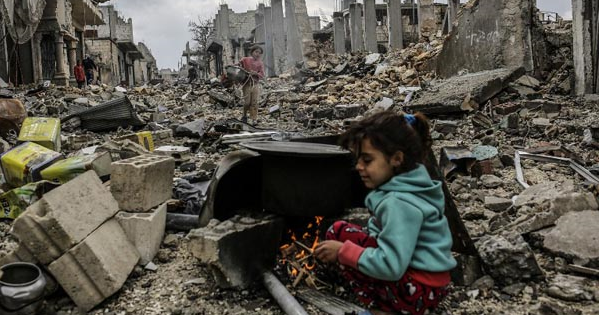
(410,228)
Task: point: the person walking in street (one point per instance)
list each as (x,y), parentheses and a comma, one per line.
(80,74)
(90,66)
(251,87)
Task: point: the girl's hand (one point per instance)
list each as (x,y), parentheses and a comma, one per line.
(327,251)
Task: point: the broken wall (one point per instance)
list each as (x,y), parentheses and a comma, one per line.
(490,35)
(108,58)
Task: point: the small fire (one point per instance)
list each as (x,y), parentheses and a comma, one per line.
(298,257)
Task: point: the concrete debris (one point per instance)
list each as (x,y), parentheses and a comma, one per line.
(64,217)
(508,258)
(571,288)
(489,92)
(143,182)
(222,245)
(97,267)
(574,237)
(144,230)
(464,93)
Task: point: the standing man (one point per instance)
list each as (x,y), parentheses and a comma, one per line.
(251,88)
(89,65)
(192,73)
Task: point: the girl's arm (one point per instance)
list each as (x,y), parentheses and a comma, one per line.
(397,239)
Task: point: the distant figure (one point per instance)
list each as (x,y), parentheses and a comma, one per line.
(192,73)
(89,65)
(251,87)
(80,74)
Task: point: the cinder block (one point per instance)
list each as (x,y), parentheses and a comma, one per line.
(97,267)
(144,230)
(19,254)
(142,182)
(237,250)
(64,217)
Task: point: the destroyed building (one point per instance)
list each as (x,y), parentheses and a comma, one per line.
(158,199)
(145,68)
(285,38)
(113,48)
(42,41)
(369,26)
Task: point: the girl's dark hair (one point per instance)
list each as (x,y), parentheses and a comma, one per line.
(390,132)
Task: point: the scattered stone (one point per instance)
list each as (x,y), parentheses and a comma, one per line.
(570,288)
(497,204)
(64,217)
(575,238)
(144,230)
(491,181)
(508,258)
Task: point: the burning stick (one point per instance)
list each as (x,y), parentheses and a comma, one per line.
(300,244)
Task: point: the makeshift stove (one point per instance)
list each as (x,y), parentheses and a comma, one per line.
(268,208)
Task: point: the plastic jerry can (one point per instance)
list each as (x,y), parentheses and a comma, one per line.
(41,130)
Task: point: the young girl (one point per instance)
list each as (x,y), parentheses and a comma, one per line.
(399,263)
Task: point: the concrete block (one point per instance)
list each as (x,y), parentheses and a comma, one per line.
(142,182)
(144,230)
(19,254)
(237,250)
(64,217)
(97,267)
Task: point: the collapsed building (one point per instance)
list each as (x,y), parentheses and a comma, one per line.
(285,38)
(517,152)
(42,41)
(378,27)
(145,68)
(114,50)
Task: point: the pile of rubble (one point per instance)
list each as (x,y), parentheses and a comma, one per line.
(119,176)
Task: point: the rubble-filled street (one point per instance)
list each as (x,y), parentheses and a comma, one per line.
(125,189)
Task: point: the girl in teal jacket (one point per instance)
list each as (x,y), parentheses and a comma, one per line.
(400,262)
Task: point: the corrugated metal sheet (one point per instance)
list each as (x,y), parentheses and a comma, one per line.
(108,116)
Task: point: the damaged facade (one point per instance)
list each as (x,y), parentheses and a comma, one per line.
(56,33)
(44,40)
(285,37)
(176,206)
(378,27)
(113,48)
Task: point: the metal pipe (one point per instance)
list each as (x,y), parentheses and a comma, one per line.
(182,222)
(278,291)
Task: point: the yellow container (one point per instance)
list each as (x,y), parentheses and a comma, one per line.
(24,163)
(146,140)
(41,130)
(67,169)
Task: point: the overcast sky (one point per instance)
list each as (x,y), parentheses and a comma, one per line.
(162,24)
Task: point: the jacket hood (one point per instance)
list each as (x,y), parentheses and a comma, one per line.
(416,182)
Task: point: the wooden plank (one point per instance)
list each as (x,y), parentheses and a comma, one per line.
(462,243)
(327,303)
(584,270)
